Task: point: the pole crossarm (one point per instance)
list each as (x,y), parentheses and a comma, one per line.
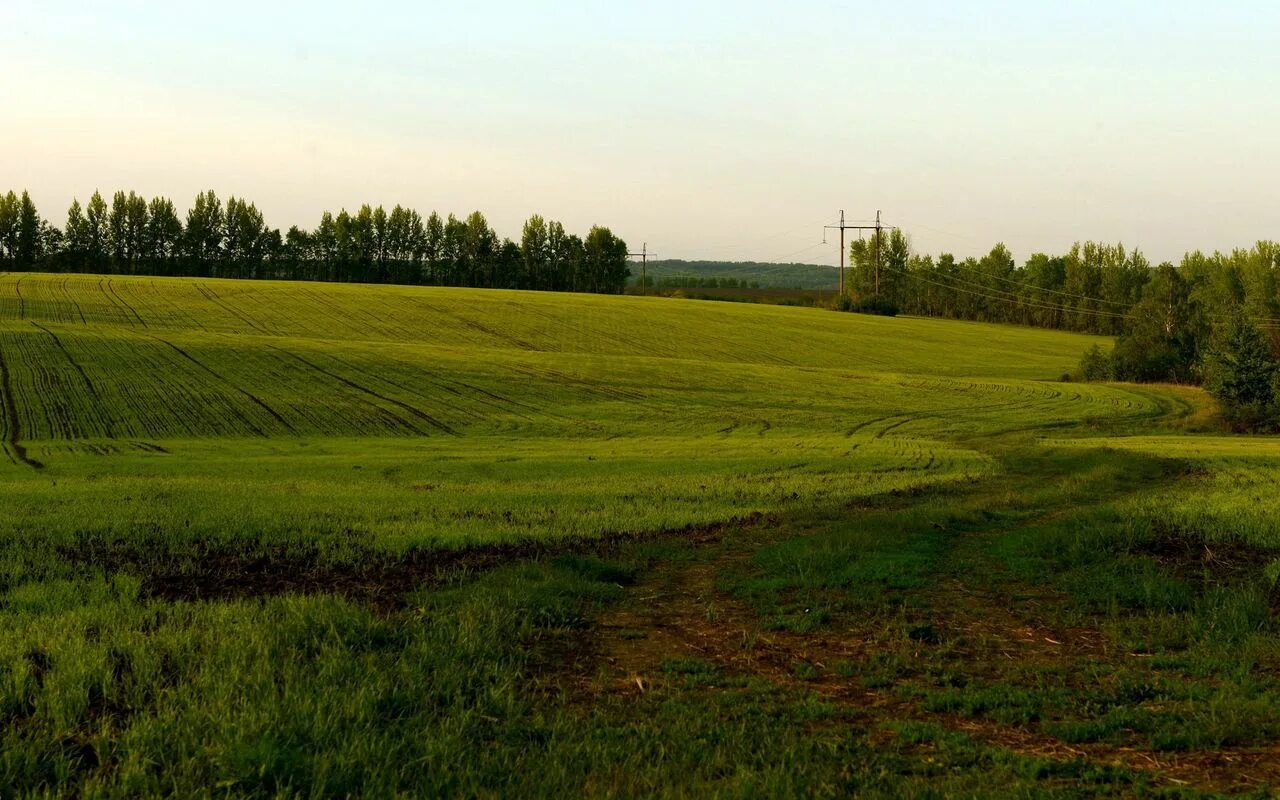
(643,255)
(843,226)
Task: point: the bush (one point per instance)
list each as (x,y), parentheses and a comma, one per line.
(1096,365)
(1243,374)
(1149,361)
(874,305)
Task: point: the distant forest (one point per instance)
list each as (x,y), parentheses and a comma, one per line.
(132,235)
(1213,319)
(1094,287)
(678,274)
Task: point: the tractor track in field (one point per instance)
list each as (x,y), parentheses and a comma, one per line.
(102,287)
(245,392)
(212,297)
(132,311)
(683,614)
(384,584)
(84,376)
(107,426)
(492,333)
(72,300)
(176,312)
(416,412)
(411,390)
(13,444)
(679,614)
(480,395)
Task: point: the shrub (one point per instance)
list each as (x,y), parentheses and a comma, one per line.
(1242,372)
(1095,365)
(875,305)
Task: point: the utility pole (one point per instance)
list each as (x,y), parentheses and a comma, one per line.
(842,227)
(643,255)
(877,252)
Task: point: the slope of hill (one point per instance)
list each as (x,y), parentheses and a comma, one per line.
(119,357)
(193,379)
(356,540)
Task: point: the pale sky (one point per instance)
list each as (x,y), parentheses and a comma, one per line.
(708,129)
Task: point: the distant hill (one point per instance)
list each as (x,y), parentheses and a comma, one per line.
(699,273)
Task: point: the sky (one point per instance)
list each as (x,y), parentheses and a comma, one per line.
(708,130)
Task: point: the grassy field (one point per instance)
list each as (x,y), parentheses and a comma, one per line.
(285,539)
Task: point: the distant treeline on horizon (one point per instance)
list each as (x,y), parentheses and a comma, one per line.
(1094,287)
(132,235)
(678,273)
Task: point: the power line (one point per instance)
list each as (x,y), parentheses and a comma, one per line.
(803,250)
(1013,299)
(1270,323)
(643,255)
(1040,289)
(843,226)
(946,233)
(740,245)
(1009,295)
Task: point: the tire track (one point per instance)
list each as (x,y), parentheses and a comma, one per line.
(427,418)
(176,312)
(345,317)
(10,407)
(111,288)
(492,333)
(600,389)
(84,376)
(411,390)
(22,306)
(249,395)
(867,423)
(497,401)
(72,300)
(102,288)
(213,297)
(47,387)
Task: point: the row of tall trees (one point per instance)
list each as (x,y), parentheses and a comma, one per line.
(1212,319)
(1093,287)
(136,236)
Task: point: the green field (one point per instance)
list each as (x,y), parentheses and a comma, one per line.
(233,414)
(293,539)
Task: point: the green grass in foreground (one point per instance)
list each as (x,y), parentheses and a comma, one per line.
(936,604)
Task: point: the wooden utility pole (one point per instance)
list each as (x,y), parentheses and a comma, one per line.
(877,252)
(842,227)
(643,255)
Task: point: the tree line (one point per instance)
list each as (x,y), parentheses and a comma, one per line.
(134,235)
(696,282)
(1212,319)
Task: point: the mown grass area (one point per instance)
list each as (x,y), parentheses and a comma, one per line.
(279,539)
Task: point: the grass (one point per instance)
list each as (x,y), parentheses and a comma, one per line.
(271,539)
(172,419)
